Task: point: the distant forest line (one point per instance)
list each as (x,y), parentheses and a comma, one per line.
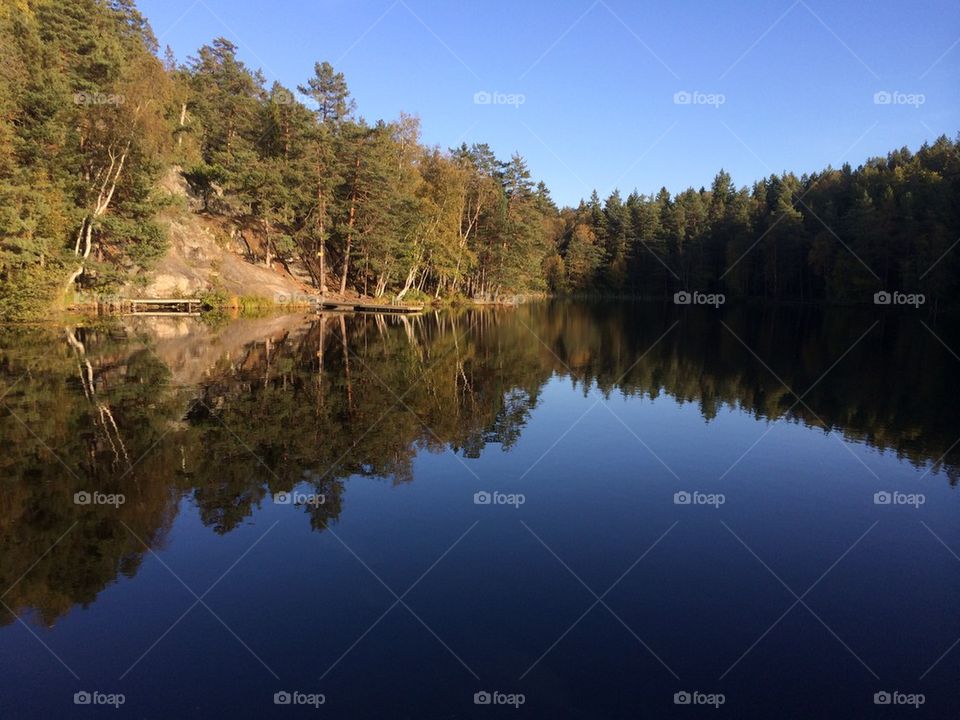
(94,113)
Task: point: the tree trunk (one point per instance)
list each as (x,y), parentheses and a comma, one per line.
(76,246)
(346,256)
(346,362)
(321,211)
(411,276)
(408,283)
(350,223)
(268,244)
(107,188)
(183,119)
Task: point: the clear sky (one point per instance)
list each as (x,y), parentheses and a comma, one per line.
(772,85)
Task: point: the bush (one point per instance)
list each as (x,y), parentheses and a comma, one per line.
(417,296)
(28,292)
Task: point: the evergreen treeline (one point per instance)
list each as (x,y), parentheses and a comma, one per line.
(836,235)
(92,116)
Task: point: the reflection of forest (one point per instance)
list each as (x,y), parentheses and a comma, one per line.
(174,408)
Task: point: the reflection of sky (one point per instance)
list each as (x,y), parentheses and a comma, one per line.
(598,499)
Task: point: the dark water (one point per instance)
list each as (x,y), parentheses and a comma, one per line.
(585,588)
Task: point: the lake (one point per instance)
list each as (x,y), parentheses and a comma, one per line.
(561,509)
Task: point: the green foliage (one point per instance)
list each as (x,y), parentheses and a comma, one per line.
(360,206)
(217,298)
(834,235)
(26,293)
(83,139)
(417,296)
(145,241)
(92,117)
(218,302)
(203,180)
(254,306)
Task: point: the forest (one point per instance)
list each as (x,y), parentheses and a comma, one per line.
(94,112)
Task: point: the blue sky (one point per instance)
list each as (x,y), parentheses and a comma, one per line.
(772,85)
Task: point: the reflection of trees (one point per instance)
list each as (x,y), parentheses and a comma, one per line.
(894,390)
(357,396)
(98,414)
(309,404)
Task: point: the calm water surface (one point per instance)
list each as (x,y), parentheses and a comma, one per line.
(588,508)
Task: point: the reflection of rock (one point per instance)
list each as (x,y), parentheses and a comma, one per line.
(163,328)
(191,348)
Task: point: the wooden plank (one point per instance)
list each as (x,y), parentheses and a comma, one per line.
(138,306)
(164,301)
(160,306)
(159,313)
(368,307)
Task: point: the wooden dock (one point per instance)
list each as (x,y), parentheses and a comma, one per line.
(162,306)
(193,306)
(360,306)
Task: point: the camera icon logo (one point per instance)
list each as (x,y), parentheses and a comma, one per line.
(882,498)
(482,698)
(482,97)
(682,97)
(283,97)
(282,498)
(82,498)
(882,98)
(682,698)
(882,298)
(682,298)
(681,498)
(282,698)
(882,698)
(82,698)
(482,498)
